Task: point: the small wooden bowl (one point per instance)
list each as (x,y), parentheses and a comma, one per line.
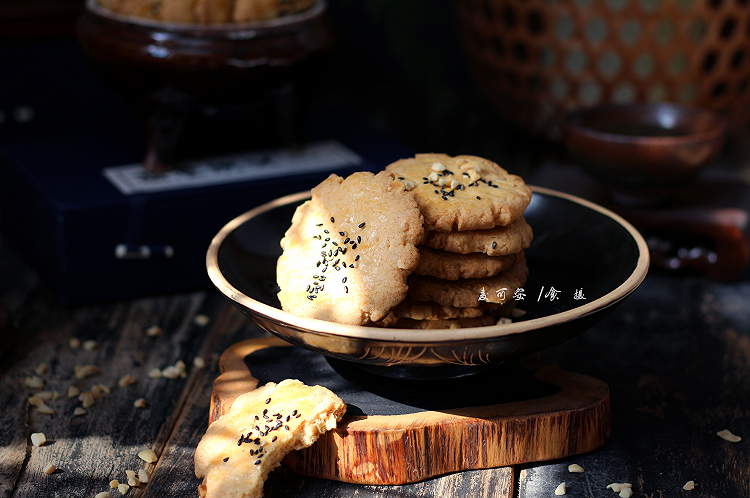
(644,150)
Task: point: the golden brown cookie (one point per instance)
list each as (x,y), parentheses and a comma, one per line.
(238,450)
(213,11)
(452,266)
(148,9)
(178,10)
(462,192)
(429,310)
(350,249)
(260,10)
(498,241)
(469,292)
(446,323)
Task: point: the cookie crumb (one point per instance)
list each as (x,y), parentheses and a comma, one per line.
(201,320)
(103,494)
(89,345)
(199,362)
(126,380)
(34,382)
(49,469)
(154,331)
(155,373)
(728,436)
(409,185)
(79,411)
(140,403)
(83,371)
(143,475)
(517,313)
(504,321)
(41,369)
(438,167)
(38,439)
(74,343)
(575,468)
(87,399)
(148,455)
(626,493)
(689,486)
(560,489)
(617,487)
(123,488)
(73,392)
(45,408)
(114,483)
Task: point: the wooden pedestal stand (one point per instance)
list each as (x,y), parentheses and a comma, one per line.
(400,431)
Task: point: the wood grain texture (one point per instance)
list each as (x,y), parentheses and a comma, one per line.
(410,447)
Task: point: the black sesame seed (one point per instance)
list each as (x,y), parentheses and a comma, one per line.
(226,459)
(357,258)
(287,418)
(494,245)
(319,225)
(359,239)
(298,415)
(257,462)
(326,231)
(361,225)
(332,220)
(256,440)
(294,412)
(346,289)
(257,418)
(354,246)
(286,427)
(343,281)
(268,400)
(445,198)
(436,191)
(343,234)
(265,410)
(274,438)
(351,265)
(347,240)
(479,198)
(327,239)
(240,441)
(324,244)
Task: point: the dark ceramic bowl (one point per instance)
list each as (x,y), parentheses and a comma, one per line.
(168,70)
(644,149)
(580,249)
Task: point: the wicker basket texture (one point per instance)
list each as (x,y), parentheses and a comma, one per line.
(536,59)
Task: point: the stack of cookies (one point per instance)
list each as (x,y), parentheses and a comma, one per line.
(472,254)
(433,241)
(207,11)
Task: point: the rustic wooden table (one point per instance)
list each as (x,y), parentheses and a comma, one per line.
(676,356)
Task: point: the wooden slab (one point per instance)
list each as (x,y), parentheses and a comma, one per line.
(400,431)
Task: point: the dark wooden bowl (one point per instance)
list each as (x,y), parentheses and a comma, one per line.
(166,70)
(644,150)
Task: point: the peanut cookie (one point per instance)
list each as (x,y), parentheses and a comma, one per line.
(238,450)
(498,241)
(462,192)
(349,249)
(259,10)
(469,292)
(430,310)
(447,323)
(452,266)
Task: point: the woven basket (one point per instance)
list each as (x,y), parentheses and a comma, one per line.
(536,59)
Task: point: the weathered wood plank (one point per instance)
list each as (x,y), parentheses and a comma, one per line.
(677,358)
(92,449)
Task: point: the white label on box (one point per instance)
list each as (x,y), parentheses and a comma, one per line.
(314,157)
